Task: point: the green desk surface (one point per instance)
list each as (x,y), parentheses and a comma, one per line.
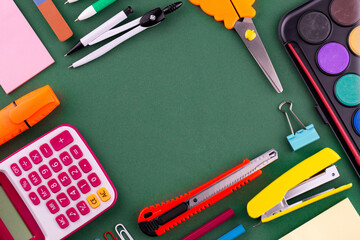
(176,106)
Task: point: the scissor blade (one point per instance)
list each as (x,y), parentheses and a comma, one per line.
(258,51)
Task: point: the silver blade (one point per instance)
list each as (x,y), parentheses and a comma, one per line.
(258,51)
(255,165)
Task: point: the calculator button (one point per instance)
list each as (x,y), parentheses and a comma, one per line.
(16,170)
(34,198)
(46,150)
(64,179)
(85,166)
(103,194)
(73,193)
(83,186)
(72,214)
(94,179)
(65,158)
(76,152)
(35,157)
(55,165)
(63,199)
(83,208)
(54,185)
(25,163)
(43,192)
(61,140)
(34,178)
(74,172)
(45,171)
(93,201)
(52,206)
(25,184)
(62,221)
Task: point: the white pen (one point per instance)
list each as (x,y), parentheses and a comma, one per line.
(70,1)
(94,9)
(112,22)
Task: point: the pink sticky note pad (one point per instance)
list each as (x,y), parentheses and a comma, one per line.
(22,54)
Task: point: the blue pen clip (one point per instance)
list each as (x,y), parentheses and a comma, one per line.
(233,233)
(302,137)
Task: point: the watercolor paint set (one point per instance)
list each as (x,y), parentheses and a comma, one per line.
(322,37)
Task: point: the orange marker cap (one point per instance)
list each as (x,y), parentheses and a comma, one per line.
(26,112)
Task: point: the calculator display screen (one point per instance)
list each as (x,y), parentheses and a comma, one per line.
(12,219)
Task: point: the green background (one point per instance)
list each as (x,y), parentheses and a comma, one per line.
(176,106)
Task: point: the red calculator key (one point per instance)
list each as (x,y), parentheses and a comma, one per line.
(34,198)
(54,185)
(16,170)
(46,150)
(61,140)
(83,186)
(25,163)
(72,214)
(83,208)
(52,206)
(25,184)
(43,192)
(64,179)
(45,171)
(62,221)
(73,193)
(34,178)
(65,158)
(74,172)
(94,179)
(85,166)
(76,152)
(35,157)
(55,165)
(63,199)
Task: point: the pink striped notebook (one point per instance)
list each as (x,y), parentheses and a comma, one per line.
(22,54)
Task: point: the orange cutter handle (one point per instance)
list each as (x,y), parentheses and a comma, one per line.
(228,11)
(156,220)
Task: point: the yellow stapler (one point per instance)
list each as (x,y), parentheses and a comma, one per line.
(272,203)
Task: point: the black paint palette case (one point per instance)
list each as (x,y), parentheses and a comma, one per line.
(322,37)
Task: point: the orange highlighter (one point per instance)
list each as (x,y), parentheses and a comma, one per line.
(25,112)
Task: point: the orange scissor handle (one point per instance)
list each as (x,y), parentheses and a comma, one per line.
(228,11)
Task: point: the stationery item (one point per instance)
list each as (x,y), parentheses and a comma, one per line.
(112,22)
(22,53)
(25,112)
(157,219)
(112,236)
(212,224)
(238,15)
(150,19)
(123,232)
(54,19)
(339,222)
(302,137)
(233,233)
(94,9)
(70,1)
(322,38)
(56,184)
(272,201)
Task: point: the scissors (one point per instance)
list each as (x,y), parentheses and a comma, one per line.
(238,14)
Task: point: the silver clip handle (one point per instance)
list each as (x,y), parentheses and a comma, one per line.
(287,116)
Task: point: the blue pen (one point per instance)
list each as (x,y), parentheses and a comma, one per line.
(233,233)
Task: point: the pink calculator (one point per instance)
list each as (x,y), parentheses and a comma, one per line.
(56,184)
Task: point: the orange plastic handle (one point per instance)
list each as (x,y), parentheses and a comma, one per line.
(228,11)
(148,215)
